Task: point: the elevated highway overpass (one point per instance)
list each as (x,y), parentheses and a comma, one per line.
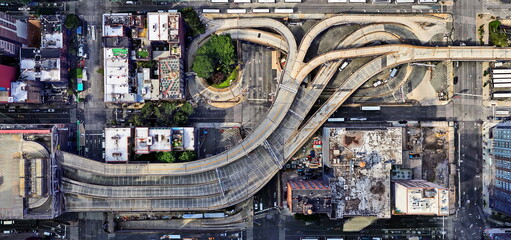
(96,186)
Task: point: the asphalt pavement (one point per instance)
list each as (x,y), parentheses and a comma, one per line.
(92,111)
(468,110)
(260,82)
(37,114)
(395,113)
(316,6)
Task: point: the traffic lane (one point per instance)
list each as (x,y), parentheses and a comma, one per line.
(394,113)
(14,117)
(306,7)
(211,114)
(467,82)
(470,217)
(94,147)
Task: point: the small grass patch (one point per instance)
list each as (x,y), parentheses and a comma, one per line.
(498,36)
(142,53)
(79,73)
(227,82)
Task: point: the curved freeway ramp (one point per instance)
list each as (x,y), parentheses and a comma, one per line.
(238,174)
(241,179)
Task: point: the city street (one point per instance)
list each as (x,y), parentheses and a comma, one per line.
(93,111)
(395,113)
(468,110)
(246,169)
(37,115)
(320,6)
(259,82)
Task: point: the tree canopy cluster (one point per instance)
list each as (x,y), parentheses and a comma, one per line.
(170,157)
(216,57)
(193,21)
(72,21)
(498,36)
(162,114)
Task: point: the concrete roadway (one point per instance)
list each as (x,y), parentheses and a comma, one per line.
(311,7)
(468,110)
(400,54)
(265,127)
(419,51)
(352,83)
(93,111)
(259,83)
(201,91)
(395,113)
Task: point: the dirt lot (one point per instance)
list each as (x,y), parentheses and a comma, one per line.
(434,155)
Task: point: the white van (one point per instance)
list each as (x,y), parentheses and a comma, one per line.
(393,72)
(344,64)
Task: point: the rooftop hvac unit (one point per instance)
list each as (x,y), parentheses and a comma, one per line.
(150,141)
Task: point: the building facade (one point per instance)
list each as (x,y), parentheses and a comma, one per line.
(8,75)
(13,34)
(500,191)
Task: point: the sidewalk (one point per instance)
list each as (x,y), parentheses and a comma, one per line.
(222,98)
(487,164)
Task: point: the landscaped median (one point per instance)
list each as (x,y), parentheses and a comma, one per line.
(216,61)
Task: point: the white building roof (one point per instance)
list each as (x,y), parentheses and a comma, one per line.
(152,140)
(163,26)
(157,24)
(21,29)
(113,24)
(27,63)
(18,92)
(51,40)
(160,139)
(114,31)
(141,136)
(116,76)
(419,197)
(188,139)
(116,144)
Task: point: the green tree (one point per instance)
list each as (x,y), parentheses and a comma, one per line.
(187,156)
(187,108)
(218,53)
(136,120)
(203,66)
(167,157)
(193,21)
(72,21)
(158,113)
(498,36)
(168,108)
(100,70)
(180,118)
(147,109)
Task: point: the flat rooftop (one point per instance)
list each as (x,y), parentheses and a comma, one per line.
(420,197)
(117,144)
(361,160)
(152,140)
(183,138)
(116,74)
(171,86)
(12,202)
(113,24)
(163,26)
